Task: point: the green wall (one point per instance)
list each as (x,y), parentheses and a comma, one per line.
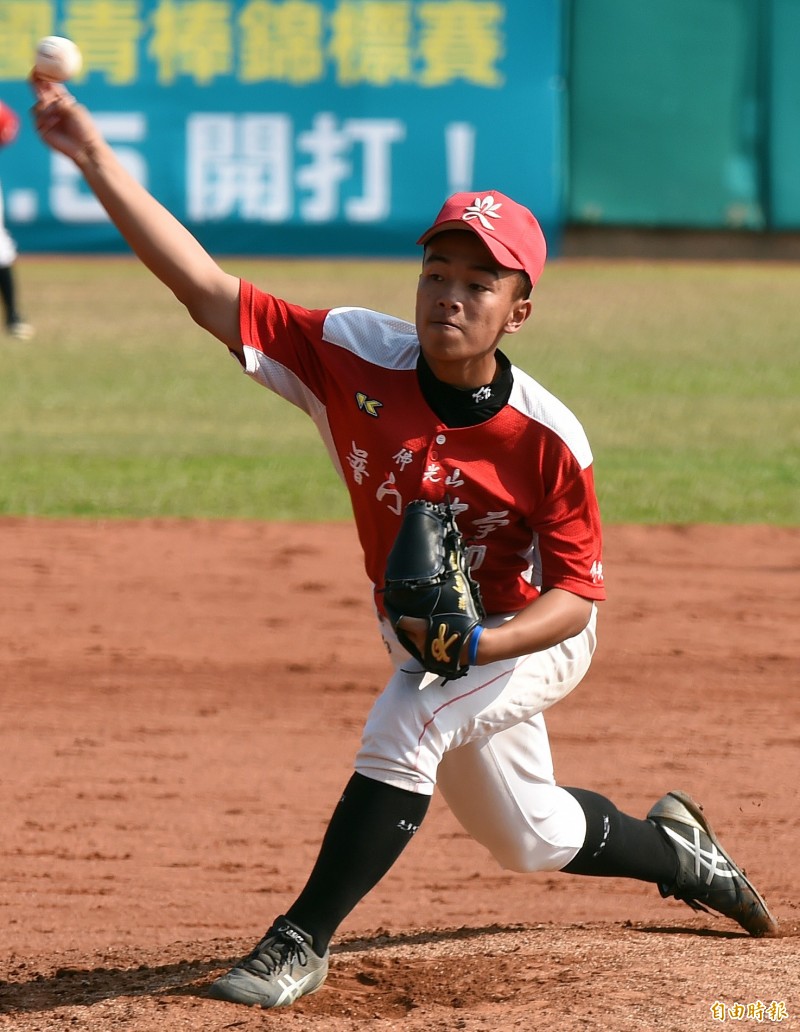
(782,90)
(683,113)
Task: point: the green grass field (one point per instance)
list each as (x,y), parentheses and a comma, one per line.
(685,376)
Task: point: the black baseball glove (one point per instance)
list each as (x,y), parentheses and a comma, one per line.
(427,577)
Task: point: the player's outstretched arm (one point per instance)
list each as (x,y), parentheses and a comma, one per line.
(159,240)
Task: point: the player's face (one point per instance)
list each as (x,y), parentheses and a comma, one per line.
(466,303)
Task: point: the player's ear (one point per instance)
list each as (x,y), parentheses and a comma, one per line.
(519,314)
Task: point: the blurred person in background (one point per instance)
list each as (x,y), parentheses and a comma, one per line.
(15,325)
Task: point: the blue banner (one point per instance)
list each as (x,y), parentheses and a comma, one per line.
(319,127)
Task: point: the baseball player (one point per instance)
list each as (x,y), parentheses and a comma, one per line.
(435,410)
(14,323)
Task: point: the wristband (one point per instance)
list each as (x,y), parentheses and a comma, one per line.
(472,652)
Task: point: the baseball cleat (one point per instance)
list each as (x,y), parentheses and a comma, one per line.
(282,968)
(20,330)
(708,879)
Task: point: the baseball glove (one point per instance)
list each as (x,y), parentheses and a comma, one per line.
(427,577)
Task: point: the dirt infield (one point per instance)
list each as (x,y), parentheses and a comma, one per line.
(181,702)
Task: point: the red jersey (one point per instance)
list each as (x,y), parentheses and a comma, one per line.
(520,483)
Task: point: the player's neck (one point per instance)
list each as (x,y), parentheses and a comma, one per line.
(465,375)
(466,406)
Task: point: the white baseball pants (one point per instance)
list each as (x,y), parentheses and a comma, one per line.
(482,739)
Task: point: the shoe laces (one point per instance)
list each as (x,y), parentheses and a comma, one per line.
(276,950)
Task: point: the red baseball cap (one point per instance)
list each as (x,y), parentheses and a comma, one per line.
(509,230)
(9,124)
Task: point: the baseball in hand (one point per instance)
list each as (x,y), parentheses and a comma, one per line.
(57,59)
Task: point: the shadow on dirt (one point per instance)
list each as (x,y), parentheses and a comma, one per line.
(76,986)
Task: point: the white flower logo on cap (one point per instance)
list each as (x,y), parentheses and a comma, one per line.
(483,209)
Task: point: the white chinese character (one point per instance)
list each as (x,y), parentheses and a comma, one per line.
(358,463)
(328,167)
(376,135)
(455,479)
(403,457)
(490,522)
(330,150)
(475,556)
(432,473)
(388,490)
(239,165)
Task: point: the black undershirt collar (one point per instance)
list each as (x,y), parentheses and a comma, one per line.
(466,406)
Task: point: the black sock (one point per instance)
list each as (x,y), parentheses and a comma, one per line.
(619,846)
(368,831)
(7,294)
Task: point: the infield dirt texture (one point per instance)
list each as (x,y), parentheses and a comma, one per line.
(181,703)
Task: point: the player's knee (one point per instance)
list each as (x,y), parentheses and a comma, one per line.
(531,852)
